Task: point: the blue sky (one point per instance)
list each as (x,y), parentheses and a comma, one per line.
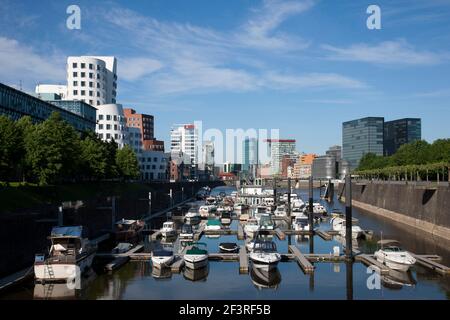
(302,66)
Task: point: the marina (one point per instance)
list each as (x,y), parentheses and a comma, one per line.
(303,253)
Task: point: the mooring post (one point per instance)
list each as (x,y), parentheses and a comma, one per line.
(150,204)
(348,217)
(113,212)
(289,198)
(171,198)
(330,191)
(275,191)
(311,207)
(182,194)
(349,278)
(60,216)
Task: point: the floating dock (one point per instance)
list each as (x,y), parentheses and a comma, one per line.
(430,263)
(370,261)
(116,263)
(243,260)
(324,235)
(304,263)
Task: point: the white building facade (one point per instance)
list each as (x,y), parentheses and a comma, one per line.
(184,140)
(111,124)
(92,79)
(278,149)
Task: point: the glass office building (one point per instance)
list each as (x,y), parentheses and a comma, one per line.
(399,132)
(362,136)
(250,153)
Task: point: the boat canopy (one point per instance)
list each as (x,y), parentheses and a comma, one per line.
(186,228)
(213,222)
(75,232)
(265,246)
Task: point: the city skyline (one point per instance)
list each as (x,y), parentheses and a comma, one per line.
(285,65)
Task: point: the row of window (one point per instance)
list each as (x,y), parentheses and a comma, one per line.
(91,84)
(109,127)
(111,117)
(152,167)
(83,93)
(109,136)
(83,66)
(83,75)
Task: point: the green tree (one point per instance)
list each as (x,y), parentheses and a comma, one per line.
(440,151)
(53,150)
(111,155)
(25,128)
(127,163)
(94,153)
(11,148)
(416,152)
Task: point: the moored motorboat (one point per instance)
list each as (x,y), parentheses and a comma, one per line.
(187,232)
(213,224)
(338,224)
(228,247)
(301,223)
(393,256)
(251,227)
(168,229)
(162,258)
(196,257)
(264,255)
(70,254)
(192,216)
(122,247)
(225,217)
(266,223)
(127,230)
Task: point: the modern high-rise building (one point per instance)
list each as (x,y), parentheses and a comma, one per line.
(324,167)
(89,79)
(250,154)
(278,149)
(335,151)
(399,132)
(362,136)
(184,140)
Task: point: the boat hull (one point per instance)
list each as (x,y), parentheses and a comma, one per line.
(266,263)
(54,272)
(160,262)
(195,261)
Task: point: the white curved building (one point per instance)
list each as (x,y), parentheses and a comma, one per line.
(92,79)
(111,124)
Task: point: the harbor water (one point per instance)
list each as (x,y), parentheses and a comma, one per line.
(222,280)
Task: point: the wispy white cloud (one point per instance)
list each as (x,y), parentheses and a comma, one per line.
(19,62)
(397,52)
(132,69)
(434,94)
(313,80)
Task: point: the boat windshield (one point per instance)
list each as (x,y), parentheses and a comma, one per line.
(168,225)
(265,221)
(265,246)
(186,228)
(393,249)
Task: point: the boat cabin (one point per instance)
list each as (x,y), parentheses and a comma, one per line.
(265,246)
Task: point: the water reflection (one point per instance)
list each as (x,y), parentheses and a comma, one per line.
(199,274)
(163,273)
(265,279)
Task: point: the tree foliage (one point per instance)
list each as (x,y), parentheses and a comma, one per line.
(52,152)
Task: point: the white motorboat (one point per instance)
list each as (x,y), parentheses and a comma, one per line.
(301,223)
(211,200)
(393,256)
(266,223)
(225,217)
(196,257)
(207,210)
(250,245)
(251,227)
(70,254)
(162,258)
(280,211)
(192,216)
(213,225)
(319,209)
(338,224)
(168,229)
(187,232)
(264,255)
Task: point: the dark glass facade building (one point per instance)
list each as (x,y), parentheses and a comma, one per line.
(362,136)
(16,104)
(399,132)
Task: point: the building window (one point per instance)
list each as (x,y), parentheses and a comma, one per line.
(98,85)
(75,74)
(83,74)
(100,117)
(83,92)
(115,118)
(83,83)
(74,65)
(91,84)
(98,76)
(115,127)
(91,66)
(98,94)
(75,92)
(75,83)
(155,159)
(98,102)
(83,65)
(91,102)
(108,127)
(91,93)
(108,117)
(108,136)
(115,136)
(100,127)
(91,75)
(98,67)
